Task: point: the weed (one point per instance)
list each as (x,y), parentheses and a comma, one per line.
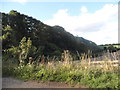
(99,74)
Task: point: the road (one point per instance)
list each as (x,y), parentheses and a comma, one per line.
(9,82)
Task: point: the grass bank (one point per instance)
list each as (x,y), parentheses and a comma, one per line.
(68,71)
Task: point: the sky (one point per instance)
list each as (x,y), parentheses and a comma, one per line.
(95,21)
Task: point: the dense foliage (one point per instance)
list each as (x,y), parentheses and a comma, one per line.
(47,39)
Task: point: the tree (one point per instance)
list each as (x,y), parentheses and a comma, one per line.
(7,36)
(13,12)
(111,48)
(25,47)
(23,51)
(6,32)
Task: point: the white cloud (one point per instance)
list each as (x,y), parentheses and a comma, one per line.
(100,26)
(83,9)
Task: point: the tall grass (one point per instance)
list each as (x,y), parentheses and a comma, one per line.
(82,72)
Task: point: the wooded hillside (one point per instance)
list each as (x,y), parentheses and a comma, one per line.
(48,40)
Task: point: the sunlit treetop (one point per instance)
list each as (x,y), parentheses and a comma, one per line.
(13,12)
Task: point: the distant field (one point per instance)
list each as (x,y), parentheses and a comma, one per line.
(117,46)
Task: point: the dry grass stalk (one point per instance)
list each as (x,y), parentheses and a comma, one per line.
(42,59)
(108,62)
(66,57)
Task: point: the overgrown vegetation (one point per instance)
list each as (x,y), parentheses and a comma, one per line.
(33,51)
(81,72)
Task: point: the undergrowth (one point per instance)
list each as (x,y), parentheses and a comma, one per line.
(94,78)
(81,73)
